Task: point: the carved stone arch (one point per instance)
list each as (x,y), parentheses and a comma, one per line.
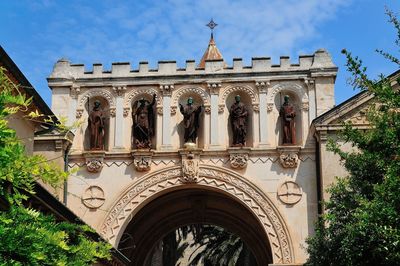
(217,178)
(190,89)
(96,93)
(135,93)
(295,88)
(246,89)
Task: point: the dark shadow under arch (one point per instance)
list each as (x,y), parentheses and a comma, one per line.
(190,206)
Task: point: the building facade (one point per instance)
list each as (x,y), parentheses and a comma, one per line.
(266,191)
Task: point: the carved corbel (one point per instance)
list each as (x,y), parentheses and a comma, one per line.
(142,160)
(94,161)
(289,156)
(310,83)
(238,157)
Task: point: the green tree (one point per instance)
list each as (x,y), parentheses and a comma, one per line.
(27,236)
(361,223)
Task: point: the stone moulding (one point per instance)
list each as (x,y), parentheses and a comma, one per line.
(212,177)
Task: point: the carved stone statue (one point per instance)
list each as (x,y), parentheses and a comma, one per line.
(191,114)
(288,115)
(143,123)
(97,127)
(238,118)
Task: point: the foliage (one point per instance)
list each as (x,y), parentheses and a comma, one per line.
(361,225)
(213,245)
(28,237)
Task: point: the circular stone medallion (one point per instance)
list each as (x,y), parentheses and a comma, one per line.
(93,197)
(290,193)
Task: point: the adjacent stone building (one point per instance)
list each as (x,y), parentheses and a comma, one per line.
(266,192)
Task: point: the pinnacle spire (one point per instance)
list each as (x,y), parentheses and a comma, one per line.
(212,51)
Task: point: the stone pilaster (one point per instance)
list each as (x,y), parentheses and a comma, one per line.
(214,88)
(119,117)
(166,90)
(262,91)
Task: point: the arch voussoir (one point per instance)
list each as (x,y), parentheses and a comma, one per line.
(215,178)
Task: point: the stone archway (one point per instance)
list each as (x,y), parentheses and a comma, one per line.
(214,178)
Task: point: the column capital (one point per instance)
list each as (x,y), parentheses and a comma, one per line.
(262,85)
(166,89)
(119,90)
(310,82)
(214,86)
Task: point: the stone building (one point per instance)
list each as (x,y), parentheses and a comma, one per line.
(264,191)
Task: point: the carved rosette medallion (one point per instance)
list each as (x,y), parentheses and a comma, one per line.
(289,160)
(93,197)
(142,160)
(238,161)
(94,161)
(290,192)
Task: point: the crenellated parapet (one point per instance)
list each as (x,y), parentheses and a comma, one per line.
(317,62)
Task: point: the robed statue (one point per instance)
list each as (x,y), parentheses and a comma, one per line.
(238,117)
(288,114)
(97,127)
(191,122)
(143,123)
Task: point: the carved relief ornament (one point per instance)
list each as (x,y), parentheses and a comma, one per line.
(289,160)
(238,161)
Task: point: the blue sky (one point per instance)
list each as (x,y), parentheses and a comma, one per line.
(37,33)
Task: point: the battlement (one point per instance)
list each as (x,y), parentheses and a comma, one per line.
(319,60)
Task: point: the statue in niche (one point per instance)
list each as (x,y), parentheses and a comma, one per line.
(97,127)
(143,123)
(238,117)
(288,115)
(191,114)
